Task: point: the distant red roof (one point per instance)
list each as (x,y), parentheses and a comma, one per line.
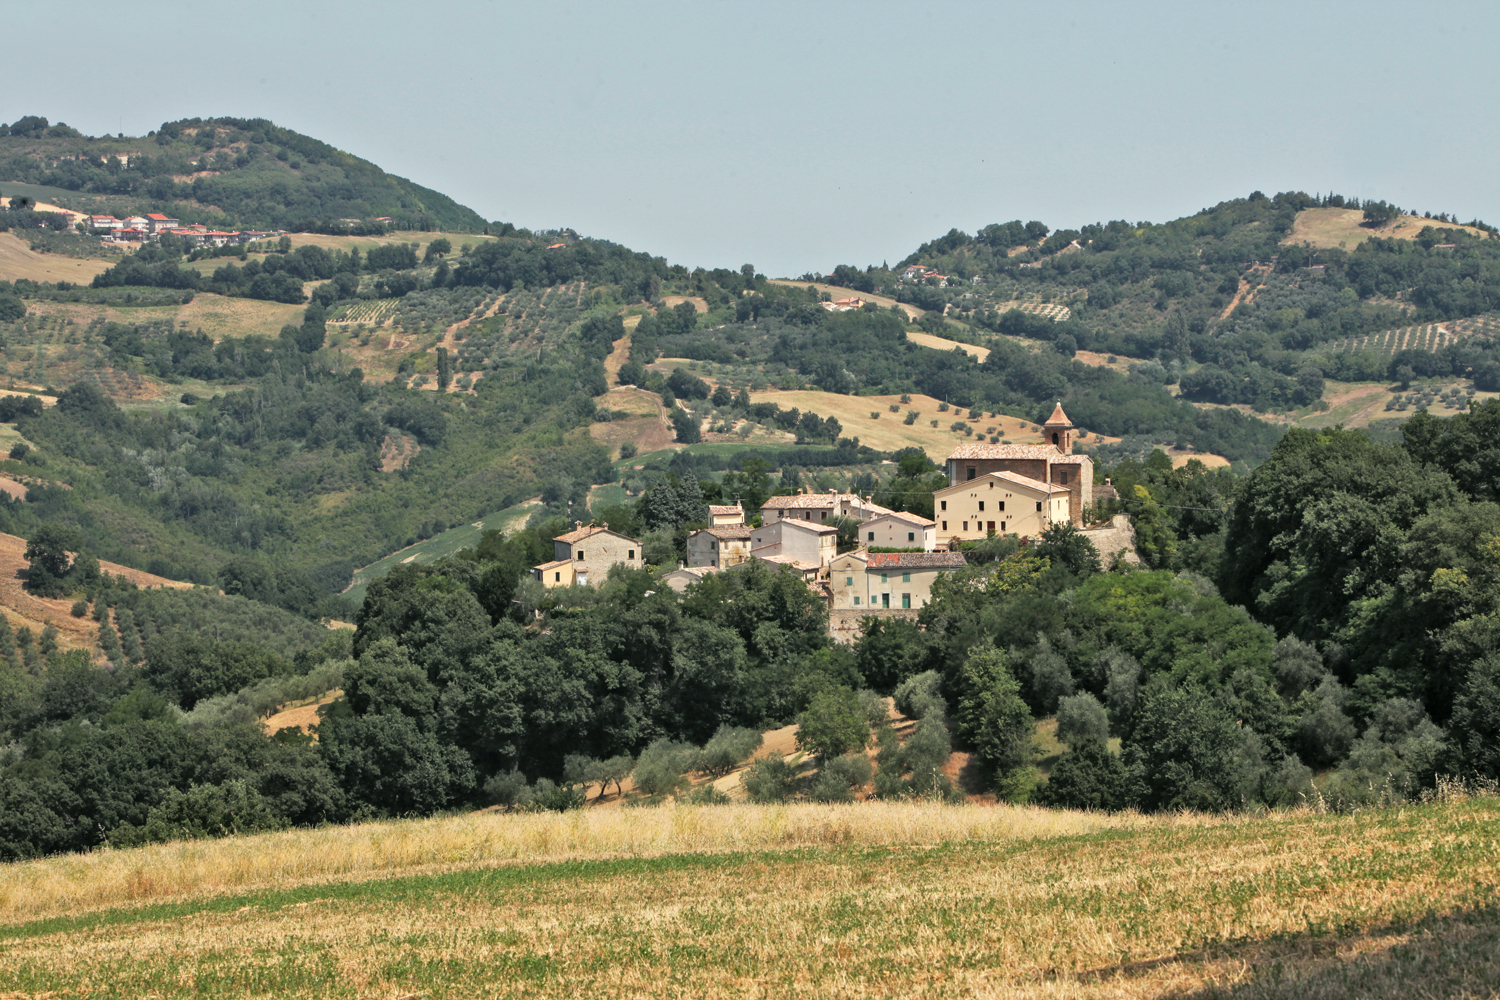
(556,246)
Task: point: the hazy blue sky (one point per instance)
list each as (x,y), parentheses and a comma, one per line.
(800,136)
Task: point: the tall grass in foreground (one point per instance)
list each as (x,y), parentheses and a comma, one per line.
(104,878)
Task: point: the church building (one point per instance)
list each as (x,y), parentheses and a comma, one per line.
(1051,467)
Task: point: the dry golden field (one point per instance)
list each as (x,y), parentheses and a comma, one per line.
(870,900)
(1343,227)
(889,432)
(18,260)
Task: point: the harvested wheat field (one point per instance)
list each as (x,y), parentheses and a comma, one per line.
(1344,227)
(870,900)
(18,260)
(871,419)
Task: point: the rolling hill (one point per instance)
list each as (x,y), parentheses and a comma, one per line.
(228,172)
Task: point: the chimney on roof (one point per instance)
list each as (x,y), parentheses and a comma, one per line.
(832,492)
(606,525)
(577,525)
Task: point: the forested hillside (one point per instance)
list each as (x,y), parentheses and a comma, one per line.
(227,172)
(1227,300)
(1314,620)
(1343,646)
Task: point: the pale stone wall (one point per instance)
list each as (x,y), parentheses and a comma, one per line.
(846,626)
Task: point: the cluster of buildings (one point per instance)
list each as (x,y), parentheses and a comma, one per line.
(992,489)
(145,228)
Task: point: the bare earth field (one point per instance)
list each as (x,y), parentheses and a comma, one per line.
(867,900)
(647,427)
(979,354)
(1335,227)
(18,260)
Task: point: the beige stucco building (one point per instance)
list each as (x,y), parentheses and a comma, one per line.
(865,580)
(819,508)
(998,503)
(583,556)
(725,515)
(1052,464)
(899,530)
(719,547)
(801,544)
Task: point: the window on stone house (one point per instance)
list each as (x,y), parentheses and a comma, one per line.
(944,505)
(580,555)
(911,536)
(981,505)
(1039,506)
(630,553)
(906,578)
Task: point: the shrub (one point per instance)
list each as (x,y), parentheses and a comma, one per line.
(916,697)
(707,795)
(874,706)
(1324,733)
(662,766)
(840,778)
(547,794)
(202,811)
(79,609)
(770,779)
(1088,776)
(508,789)
(1081,719)
(835,723)
(727,748)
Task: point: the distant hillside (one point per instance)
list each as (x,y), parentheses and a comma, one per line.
(234,172)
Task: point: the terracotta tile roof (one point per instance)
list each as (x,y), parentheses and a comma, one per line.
(1058,417)
(1036,451)
(579,534)
(916,560)
(1015,478)
(554,564)
(725,508)
(906,515)
(727,531)
(789,561)
(1031,451)
(801,501)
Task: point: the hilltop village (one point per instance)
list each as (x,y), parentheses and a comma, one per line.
(993,489)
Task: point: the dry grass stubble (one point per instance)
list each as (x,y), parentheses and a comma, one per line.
(77,883)
(1394,903)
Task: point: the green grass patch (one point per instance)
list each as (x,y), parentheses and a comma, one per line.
(463,536)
